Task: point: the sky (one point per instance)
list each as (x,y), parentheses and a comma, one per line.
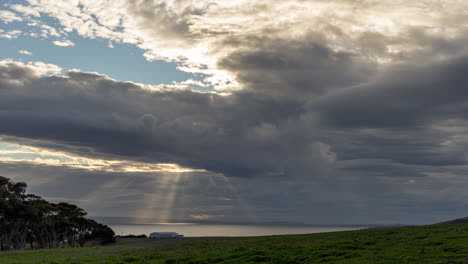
(319,112)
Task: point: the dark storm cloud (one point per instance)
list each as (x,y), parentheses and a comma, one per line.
(405,96)
(402,115)
(250,132)
(237,135)
(313,127)
(291,68)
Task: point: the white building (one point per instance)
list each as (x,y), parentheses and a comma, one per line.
(165,235)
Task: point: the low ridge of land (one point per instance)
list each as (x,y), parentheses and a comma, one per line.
(462,220)
(447,244)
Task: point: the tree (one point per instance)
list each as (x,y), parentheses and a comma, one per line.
(103,234)
(27,219)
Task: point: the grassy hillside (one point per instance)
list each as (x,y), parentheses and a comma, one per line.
(426,244)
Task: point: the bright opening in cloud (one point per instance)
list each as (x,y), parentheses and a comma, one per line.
(205,216)
(14,153)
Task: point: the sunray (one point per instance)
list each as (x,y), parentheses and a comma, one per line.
(170,198)
(161,200)
(105,192)
(242,203)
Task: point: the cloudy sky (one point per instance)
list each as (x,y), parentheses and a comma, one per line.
(341,111)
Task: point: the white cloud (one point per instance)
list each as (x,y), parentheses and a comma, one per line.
(48,31)
(11,34)
(26,10)
(37,68)
(199,34)
(64,43)
(8,16)
(25,52)
(42,68)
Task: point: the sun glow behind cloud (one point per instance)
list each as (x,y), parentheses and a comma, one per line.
(170,178)
(15,153)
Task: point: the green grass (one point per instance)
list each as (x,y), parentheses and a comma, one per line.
(426,244)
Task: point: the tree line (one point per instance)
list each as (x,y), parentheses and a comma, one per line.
(28,221)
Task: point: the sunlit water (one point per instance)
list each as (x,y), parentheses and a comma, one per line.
(209,230)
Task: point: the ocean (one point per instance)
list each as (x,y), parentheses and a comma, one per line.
(217,230)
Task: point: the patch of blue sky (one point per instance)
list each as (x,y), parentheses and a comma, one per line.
(33,156)
(9,146)
(124,62)
(14,2)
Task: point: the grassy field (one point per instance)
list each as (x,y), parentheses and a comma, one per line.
(426,244)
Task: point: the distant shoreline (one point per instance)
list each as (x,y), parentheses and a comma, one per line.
(227,230)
